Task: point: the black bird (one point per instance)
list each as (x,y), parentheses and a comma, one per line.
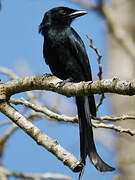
(65,53)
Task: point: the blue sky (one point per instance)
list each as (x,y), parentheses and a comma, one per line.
(21,51)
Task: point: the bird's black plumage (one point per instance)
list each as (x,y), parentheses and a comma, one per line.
(65,53)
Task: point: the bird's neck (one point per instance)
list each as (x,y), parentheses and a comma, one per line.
(54,27)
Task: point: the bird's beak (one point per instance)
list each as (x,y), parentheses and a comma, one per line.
(77,14)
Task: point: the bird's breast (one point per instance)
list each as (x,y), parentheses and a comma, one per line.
(59,56)
(56,38)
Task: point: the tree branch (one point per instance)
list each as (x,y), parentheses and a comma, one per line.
(114,85)
(70,89)
(114,119)
(123,37)
(4,138)
(42,139)
(64,118)
(113,127)
(50,114)
(99,65)
(8,72)
(8,173)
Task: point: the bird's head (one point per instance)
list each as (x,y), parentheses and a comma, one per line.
(60,16)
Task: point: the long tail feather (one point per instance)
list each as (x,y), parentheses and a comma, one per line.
(87,146)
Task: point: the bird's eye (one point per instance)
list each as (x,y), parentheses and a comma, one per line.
(62,12)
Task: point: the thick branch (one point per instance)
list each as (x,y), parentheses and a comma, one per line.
(114,85)
(42,139)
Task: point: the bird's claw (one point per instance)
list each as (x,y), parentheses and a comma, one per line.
(62,83)
(47,75)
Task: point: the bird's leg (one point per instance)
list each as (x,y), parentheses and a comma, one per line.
(62,83)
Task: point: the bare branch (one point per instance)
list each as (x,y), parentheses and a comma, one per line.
(33,176)
(113,127)
(99,57)
(100,67)
(42,139)
(114,85)
(118,33)
(65,118)
(4,138)
(46,111)
(8,72)
(5,123)
(102,97)
(114,119)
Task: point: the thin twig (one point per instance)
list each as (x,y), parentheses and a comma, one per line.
(100,74)
(46,111)
(65,118)
(124,38)
(4,138)
(102,97)
(113,127)
(5,123)
(114,119)
(99,57)
(8,72)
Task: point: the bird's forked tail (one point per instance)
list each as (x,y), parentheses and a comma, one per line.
(87,146)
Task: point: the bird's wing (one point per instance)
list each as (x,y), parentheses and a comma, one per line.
(79,51)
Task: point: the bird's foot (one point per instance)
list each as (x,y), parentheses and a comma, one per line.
(47,75)
(62,83)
